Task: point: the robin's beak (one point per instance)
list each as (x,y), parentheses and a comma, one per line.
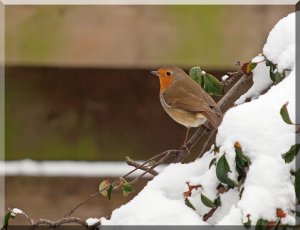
(154,73)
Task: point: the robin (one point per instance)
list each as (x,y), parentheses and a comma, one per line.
(184,100)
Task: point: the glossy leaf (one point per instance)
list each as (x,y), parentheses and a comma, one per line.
(207,202)
(290,155)
(285,114)
(222,170)
(217,201)
(212,85)
(195,74)
(189,204)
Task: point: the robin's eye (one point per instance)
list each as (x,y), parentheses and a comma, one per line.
(169,73)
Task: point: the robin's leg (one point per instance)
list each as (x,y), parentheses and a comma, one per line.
(181,156)
(186,136)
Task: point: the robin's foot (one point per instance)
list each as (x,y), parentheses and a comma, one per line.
(185,148)
(183,152)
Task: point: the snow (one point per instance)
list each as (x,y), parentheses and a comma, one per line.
(92,221)
(225,77)
(263,136)
(261,80)
(280,46)
(161,200)
(16,211)
(66,168)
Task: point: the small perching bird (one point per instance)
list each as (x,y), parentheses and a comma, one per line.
(185,100)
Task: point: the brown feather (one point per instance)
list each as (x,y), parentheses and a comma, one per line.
(185,94)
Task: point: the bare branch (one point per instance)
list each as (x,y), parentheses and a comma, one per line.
(62,221)
(133,163)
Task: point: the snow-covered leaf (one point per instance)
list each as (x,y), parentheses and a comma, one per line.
(241,161)
(290,155)
(279,77)
(285,114)
(207,202)
(195,74)
(212,85)
(222,171)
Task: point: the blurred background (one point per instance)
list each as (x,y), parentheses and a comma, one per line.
(78,87)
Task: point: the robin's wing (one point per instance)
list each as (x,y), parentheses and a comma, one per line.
(188,96)
(179,96)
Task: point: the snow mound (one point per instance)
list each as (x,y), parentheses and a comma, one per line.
(263,137)
(280,46)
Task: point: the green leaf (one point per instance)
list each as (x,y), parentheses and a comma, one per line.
(195,74)
(127,189)
(217,201)
(272,69)
(278,77)
(261,225)
(297,184)
(251,66)
(290,155)
(275,76)
(189,204)
(241,162)
(241,192)
(6,219)
(109,191)
(285,114)
(213,161)
(207,202)
(212,85)
(222,171)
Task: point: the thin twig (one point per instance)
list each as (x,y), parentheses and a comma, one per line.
(162,160)
(133,163)
(208,140)
(209,214)
(85,201)
(224,100)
